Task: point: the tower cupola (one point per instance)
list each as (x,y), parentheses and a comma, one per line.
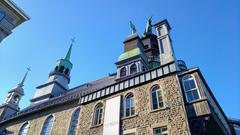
(64,65)
(11,104)
(59,78)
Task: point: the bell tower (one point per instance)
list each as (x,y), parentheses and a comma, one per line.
(166,52)
(57,83)
(11,104)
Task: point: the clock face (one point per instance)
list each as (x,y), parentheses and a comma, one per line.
(2,15)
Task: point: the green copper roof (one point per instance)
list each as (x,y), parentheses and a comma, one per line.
(129,54)
(67,57)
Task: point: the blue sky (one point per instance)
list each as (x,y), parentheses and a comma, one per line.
(205,34)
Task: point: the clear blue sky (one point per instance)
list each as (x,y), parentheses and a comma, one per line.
(205,34)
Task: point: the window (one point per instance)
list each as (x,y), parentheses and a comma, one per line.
(129,105)
(47,126)
(16,99)
(123,72)
(160,131)
(98,112)
(157,99)
(61,69)
(74,122)
(133,69)
(67,71)
(23,130)
(190,88)
(161,45)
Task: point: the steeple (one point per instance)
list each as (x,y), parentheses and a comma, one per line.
(67,56)
(64,66)
(11,104)
(58,80)
(21,84)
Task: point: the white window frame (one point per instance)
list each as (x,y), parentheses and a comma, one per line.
(24,126)
(94,115)
(53,118)
(126,72)
(130,69)
(186,78)
(69,131)
(125,105)
(166,132)
(159,89)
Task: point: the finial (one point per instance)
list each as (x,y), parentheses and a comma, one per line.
(148,28)
(133,28)
(24,78)
(67,57)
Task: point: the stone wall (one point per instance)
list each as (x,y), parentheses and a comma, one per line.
(173,115)
(62,115)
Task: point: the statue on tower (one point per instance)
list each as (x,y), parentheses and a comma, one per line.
(148,29)
(133,28)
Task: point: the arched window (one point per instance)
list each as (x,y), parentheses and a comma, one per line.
(67,71)
(74,122)
(157,98)
(61,69)
(133,69)
(123,72)
(190,88)
(23,130)
(16,99)
(129,105)
(47,126)
(98,114)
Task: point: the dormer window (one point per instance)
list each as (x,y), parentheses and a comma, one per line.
(133,69)
(123,72)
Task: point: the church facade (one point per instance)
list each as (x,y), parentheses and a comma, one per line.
(151,93)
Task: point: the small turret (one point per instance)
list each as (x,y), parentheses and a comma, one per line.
(11,104)
(58,81)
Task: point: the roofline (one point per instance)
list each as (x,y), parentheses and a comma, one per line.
(162,22)
(17,9)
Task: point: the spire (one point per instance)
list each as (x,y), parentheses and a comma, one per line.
(133,28)
(67,57)
(24,78)
(148,28)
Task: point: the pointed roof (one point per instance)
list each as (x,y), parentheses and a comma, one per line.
(67,56)
(19,87)
(21,84)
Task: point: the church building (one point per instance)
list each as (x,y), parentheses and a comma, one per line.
(151,93)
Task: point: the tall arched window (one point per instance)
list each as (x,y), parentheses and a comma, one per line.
(133,68)
(23,130)
(129,105)
(157,98)
(74,122)
(190,88)
(47,126)
(123,72)
(98,114)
